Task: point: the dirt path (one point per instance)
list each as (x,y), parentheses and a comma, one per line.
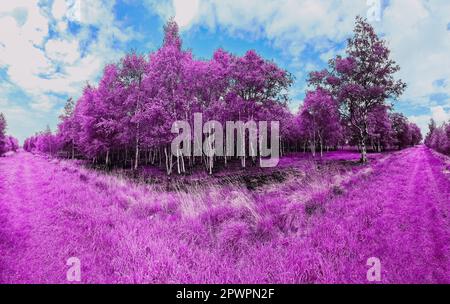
(422,216)
(399,214)
(24,217)
(43,220)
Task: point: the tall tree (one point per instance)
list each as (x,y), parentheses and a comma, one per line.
(362,81)
(168,89)
(132,69)
(66,127)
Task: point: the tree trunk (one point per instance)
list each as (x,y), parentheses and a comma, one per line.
(321,147)
(178,162)
(313,148)
(136,157)
(183,168)
(363,151)
(107,158)
(211,160)
(168,167)
(244,152)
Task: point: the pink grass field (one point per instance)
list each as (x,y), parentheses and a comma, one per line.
(319,225)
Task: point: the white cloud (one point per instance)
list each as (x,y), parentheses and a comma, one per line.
(61,26)
(63,51)
(59,9)
(32,25)
(289,24)
(420,43)
(185,11)
(440,114)
(39,64)
(22,120)
(44,66)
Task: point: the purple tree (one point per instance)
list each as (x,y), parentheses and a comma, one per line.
(131,74)
(66,128)
(167,91)
(319,119)
(416,134)
(379,128)
(404,133)
(361,82)
(438,138)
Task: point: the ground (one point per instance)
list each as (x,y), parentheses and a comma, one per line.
(396,209)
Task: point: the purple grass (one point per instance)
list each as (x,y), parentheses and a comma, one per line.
(317,226)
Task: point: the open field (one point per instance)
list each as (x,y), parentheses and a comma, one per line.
(319,223)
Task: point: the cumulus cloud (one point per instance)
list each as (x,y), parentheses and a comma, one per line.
(39,64)
(185,11)
(63,51)
(45,61)
(420,42)
(59,9)
(288,23)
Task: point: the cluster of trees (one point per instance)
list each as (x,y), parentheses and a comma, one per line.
(347,102)
(44,142)
(127,119)
(438,138)
(361,83)
(320,126)
(7,143)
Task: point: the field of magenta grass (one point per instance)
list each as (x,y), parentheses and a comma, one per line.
(319,223)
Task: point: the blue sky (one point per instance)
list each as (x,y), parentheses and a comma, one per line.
(50,49)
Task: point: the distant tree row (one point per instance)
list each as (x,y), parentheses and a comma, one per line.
(319,127)
(7,143)
(438,137)
(127,119)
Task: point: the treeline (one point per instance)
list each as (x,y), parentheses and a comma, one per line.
(438,137)
(126,120)
(7,143)
(319,126)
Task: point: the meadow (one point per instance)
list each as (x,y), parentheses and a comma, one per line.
(317,223)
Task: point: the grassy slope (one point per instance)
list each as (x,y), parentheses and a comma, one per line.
(319,226)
